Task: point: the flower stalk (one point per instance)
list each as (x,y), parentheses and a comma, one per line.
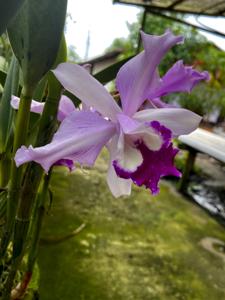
(20,135)
(22,124)
(35,228)
(11,87)
(32,180)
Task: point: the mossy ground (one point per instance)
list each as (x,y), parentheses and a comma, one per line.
(133,248)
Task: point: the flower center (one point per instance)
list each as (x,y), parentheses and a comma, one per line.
(155,165)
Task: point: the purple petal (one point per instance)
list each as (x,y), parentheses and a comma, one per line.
(158,103)
(66,106)
(79,82)
(179,78)
(178,120)
(80,138)
(138,77)
(127,123)
(155,165)
(36,107)
(66,163)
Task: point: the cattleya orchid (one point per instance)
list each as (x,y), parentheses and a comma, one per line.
(139,141)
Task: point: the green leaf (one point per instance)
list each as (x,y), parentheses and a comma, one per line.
(73,98)
(10,88)
(41,89)
(62,53)
(7,10)
(35,35)
(48,85)
(109,73)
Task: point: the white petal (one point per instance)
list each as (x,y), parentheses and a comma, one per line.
(118,186)
(137,130)
(178,120)
(79,82)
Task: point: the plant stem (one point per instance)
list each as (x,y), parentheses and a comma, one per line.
(31,181)
(39,212)
(21,128)
(22,123)
(10,88)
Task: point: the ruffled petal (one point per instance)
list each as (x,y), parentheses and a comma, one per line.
(66,106)
(132,133)
(155,165)
(179,78)
(138,77)
(80,138)
(178,120)
(66,163)
(79,82)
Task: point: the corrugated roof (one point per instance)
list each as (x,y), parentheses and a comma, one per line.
(197,7)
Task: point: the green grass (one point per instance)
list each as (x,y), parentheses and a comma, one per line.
(133,248)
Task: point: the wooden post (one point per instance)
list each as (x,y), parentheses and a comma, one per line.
(182,187)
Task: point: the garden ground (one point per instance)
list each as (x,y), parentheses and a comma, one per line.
(132,248)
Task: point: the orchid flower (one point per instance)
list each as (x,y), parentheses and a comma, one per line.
(139,141)
(66,106)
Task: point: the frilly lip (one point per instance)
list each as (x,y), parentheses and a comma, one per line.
(155,164)
(66,163)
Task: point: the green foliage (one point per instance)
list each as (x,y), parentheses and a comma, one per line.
(203,100)
(35,35)
(10,88)
(124,44)
(5,52)
(8,10)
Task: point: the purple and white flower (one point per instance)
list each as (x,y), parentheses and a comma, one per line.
(139,141)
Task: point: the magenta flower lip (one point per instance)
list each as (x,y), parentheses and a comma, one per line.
(139,140)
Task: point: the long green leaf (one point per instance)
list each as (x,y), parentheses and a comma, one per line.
(40,91)
(8,9)
(11,87)
(35,35)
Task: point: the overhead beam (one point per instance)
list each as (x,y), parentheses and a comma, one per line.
(175,3)
(157,13)
(212,6)
(165,9)
(222,11)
